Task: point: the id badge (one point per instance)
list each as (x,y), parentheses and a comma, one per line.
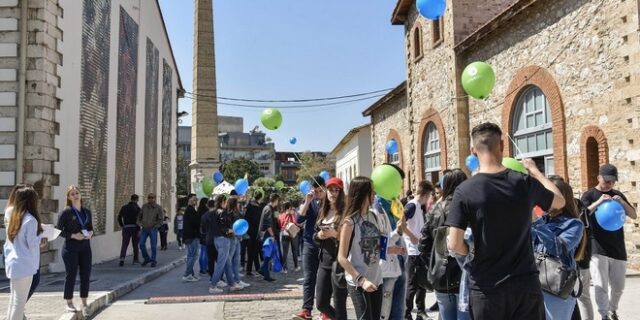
(85,233)
(383,247)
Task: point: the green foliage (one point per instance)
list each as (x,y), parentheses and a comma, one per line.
(264,182)
(237,168)
(183,177)
(312,165)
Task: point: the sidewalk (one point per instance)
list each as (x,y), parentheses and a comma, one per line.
(108,283)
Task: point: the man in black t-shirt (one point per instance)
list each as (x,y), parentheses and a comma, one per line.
(497,204)
(609,255)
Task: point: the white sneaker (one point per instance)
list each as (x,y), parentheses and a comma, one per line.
(215,290)
(222,284)
(297,269)
(244,284)
(236,287)
(196,278)
(71,308)
(189,278)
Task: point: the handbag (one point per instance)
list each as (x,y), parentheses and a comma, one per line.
(556,278)
(291,229)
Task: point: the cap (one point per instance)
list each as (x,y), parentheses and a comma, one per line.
(609,172)
(335,182)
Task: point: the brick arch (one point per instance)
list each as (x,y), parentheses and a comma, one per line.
(431,116)
(589,169)
(541,78)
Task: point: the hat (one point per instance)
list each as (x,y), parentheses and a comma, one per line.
(335,182)
(609,172)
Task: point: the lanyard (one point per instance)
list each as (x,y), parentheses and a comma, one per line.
(82,222)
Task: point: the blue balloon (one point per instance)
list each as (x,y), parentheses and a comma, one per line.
(392,147)
(305,187)
(472,163)
(610,215)
(240,227)
(217,177)
(293,140)
(325,175)
(431,9)
(241,186)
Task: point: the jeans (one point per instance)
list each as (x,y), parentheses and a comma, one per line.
(34,284)
(151,233)
(129,234)
(286,243)
(324,291)
(366,304)
(310,262)
(223,245)
(18,297)
(607,272)
(519,298)
(212,256)
(388,285)
(448,307)
(192,252)
(74,256)
(203,260)
(163,239)
(179,237)
(584,301)
(234,260)
(413,289)
(254,247)
(244,243)
(399,293)
(556,308)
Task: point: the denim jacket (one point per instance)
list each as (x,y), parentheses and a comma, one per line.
(559,237)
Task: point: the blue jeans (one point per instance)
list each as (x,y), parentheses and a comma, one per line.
(399,293)
(151,233)
(204,260)
(558,308)
(310,262)
(234,260)
(223,245)
(192,252)
(448,307)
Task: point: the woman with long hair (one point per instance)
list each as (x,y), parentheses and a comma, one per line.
(77,229)
(233,209)
(326,236)
(219,230)
(446,287)
(560,233)
(21,248)
(203,260)
(288,225)
(359,250)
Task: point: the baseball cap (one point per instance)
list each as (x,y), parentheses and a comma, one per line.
(609,172)
(335,182)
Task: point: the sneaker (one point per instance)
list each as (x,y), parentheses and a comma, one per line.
(71,308)
(422,315)
(285,271)
(136,262)
(236,287)
(121,263)
(303,315)
(196,277)
(614,315)
(146,262)
(189,278)
(250,274)
(215,290)
(244,284)
(297,269)
(154,264)
(203,273)
(269,279)
(222,284)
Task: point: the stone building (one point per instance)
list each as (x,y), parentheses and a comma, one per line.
(88,97)
(567,89)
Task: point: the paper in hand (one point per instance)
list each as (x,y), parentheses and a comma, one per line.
(50,232)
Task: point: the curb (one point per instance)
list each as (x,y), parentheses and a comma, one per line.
(122,289)
(227,298)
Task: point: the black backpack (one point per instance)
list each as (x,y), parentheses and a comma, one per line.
(444,273)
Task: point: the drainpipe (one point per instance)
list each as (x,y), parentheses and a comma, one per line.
(22,92)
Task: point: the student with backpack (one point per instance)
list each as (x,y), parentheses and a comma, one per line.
(444,273)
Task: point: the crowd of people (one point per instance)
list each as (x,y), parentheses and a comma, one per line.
(497,245)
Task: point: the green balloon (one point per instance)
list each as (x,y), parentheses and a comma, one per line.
(207,186)
(387,181)
(478,80)
(271,118)
(279,185)
(514,165)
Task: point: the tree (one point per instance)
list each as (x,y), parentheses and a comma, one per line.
(292,195)
(237,168)
(312,165)
(183,179)
(264,182)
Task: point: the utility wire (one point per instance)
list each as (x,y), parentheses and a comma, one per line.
(308,106)
(293,100)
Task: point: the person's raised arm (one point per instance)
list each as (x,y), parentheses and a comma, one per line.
(455,241)
(558,200)
(629,210)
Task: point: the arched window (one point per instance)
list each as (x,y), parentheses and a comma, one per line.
(417,42)
(532,130)
(431,142)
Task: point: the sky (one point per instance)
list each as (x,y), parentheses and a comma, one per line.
(282,50)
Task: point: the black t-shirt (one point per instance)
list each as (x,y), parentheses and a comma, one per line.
(498,208)
(605,243)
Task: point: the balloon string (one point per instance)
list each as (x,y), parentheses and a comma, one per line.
(312,177)
(515,145)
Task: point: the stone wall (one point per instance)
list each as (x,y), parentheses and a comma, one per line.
(469,15)
(584,55)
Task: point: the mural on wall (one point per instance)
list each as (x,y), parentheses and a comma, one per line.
(151,120)
(94,102)
(126,119)
(167,103)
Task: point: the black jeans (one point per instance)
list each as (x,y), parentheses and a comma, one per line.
(286,243)
(413,289)
(244,243)
(310,262)
(74,255)
(254,254)
(366,304)
(130,234)
(515,299)
(212,256)
(325,289)
(163,239)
